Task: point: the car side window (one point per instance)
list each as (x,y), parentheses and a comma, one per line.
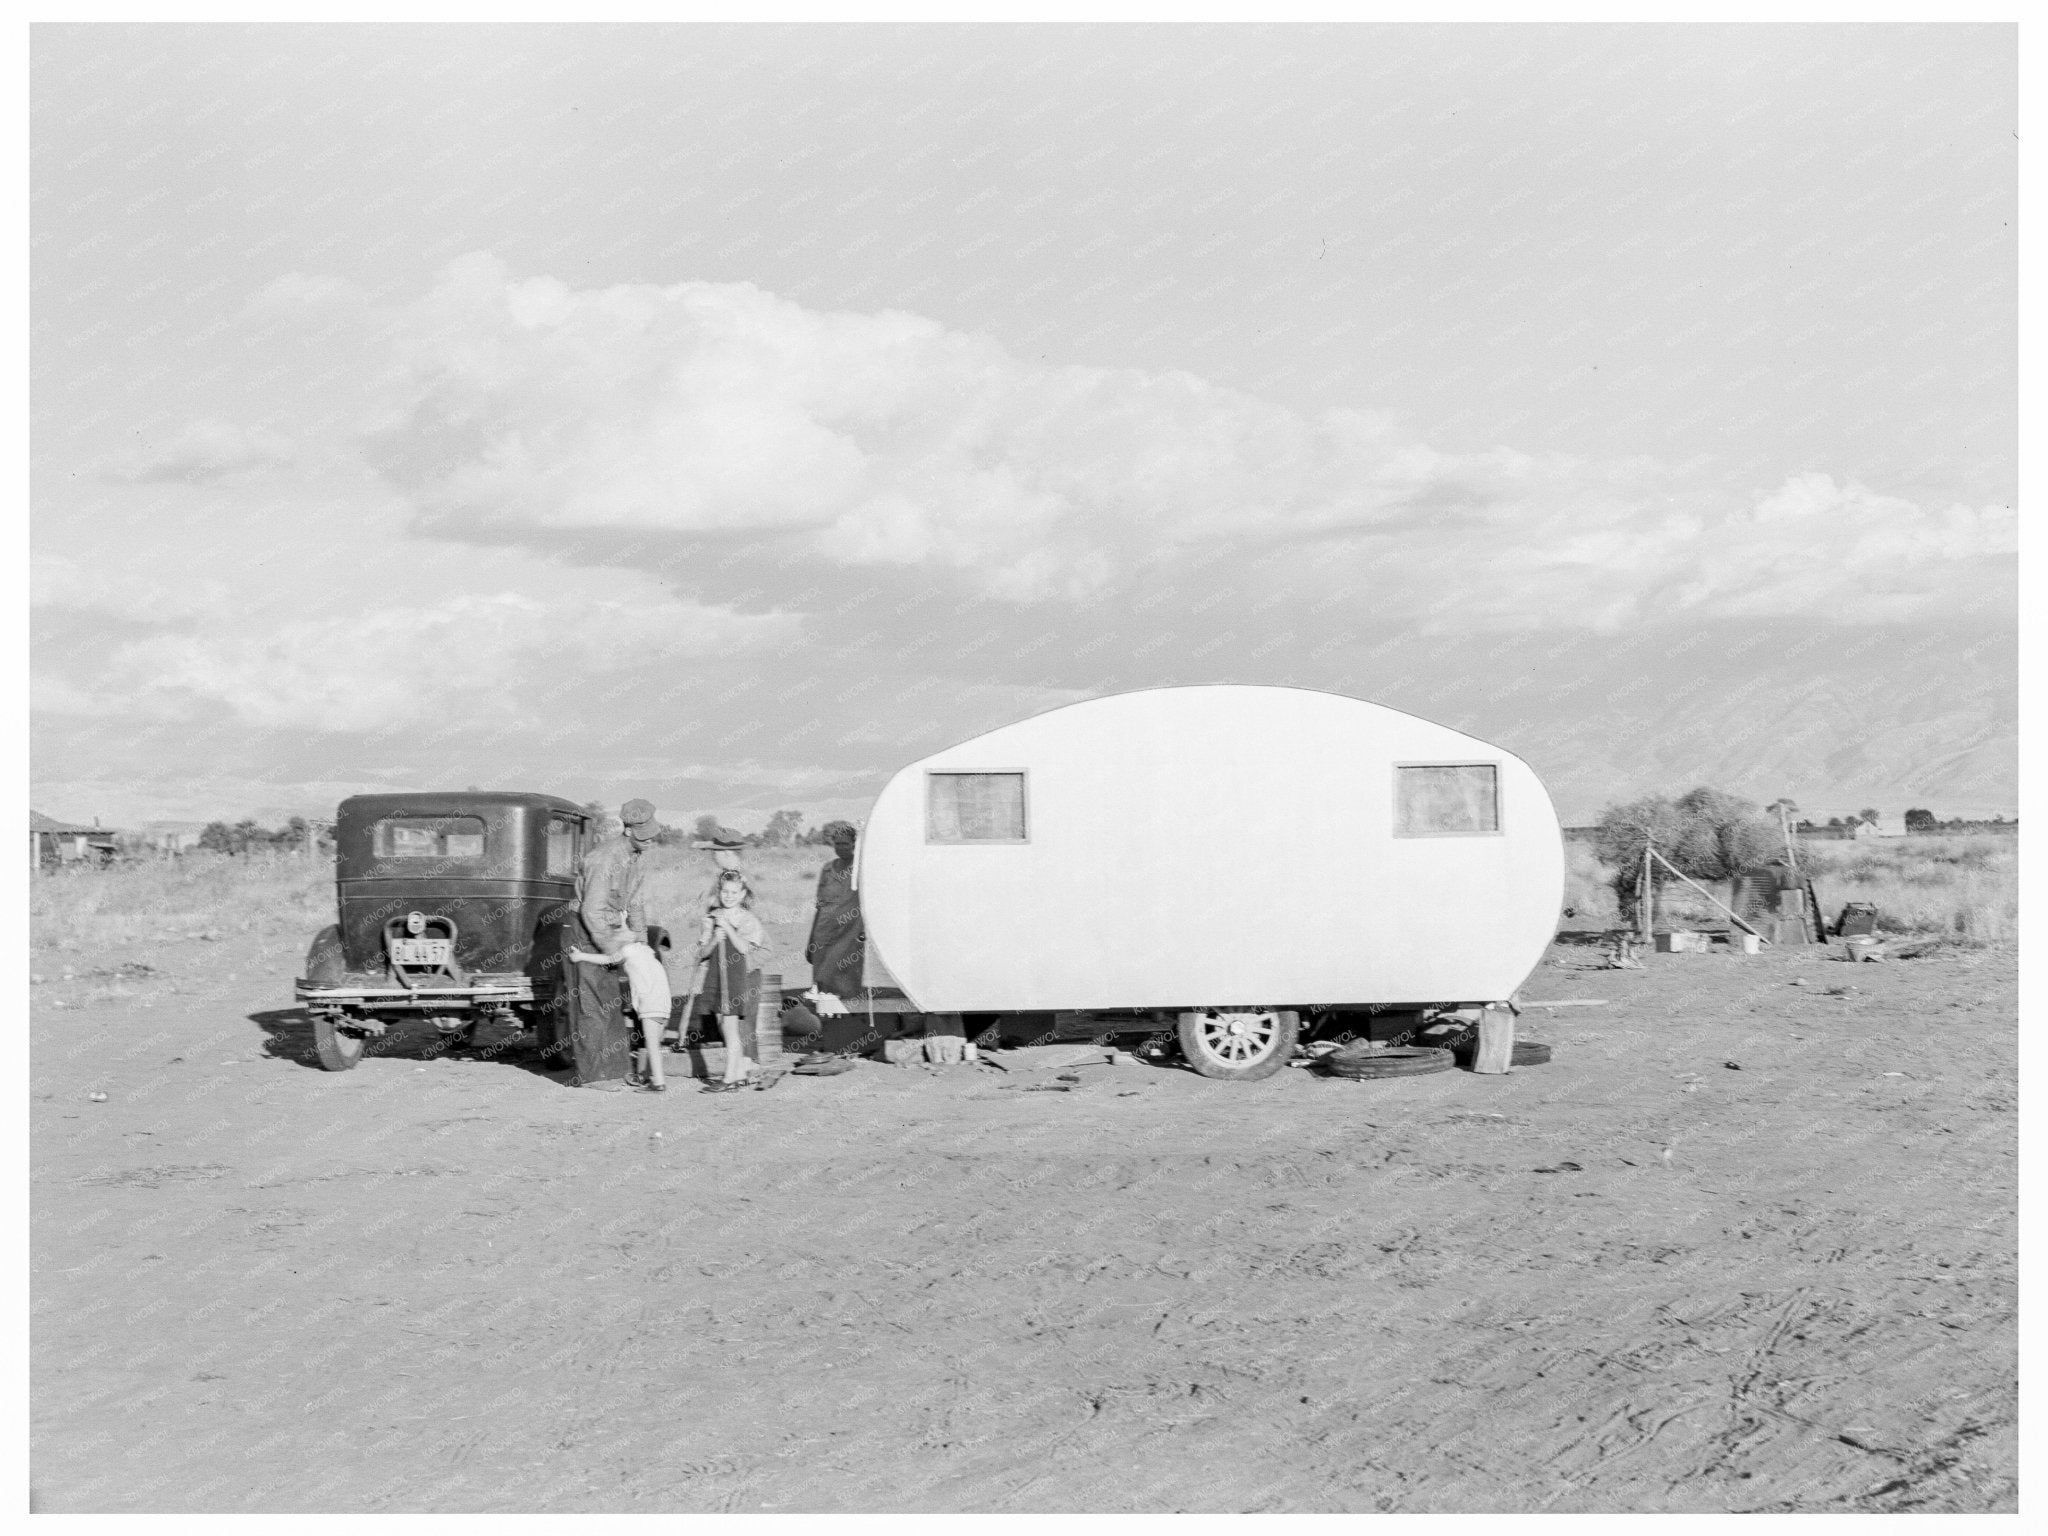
(1446,799)
(564,842)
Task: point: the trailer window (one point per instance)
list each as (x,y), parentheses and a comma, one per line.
(430,837)
(1446,799)
(974,808)
(562,845)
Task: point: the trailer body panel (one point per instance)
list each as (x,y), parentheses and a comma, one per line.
(1212,846)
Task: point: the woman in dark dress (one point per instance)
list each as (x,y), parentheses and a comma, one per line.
(838,939)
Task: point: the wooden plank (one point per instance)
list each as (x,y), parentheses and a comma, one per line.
(1688,879)
(1568,1002)
(767,1044)
(1495,1052)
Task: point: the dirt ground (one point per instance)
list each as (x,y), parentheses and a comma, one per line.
(1747,1243)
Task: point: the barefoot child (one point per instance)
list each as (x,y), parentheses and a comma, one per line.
(733,941)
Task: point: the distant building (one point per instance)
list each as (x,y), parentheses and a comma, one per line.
(171,837)
(61,842)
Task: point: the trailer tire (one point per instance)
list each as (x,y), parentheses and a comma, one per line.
(1528,1053)
(1393,1061)
(1235,1047)
(338,1049)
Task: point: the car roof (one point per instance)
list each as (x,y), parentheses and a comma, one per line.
(430,801)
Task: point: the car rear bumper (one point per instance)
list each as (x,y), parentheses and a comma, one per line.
(437,998)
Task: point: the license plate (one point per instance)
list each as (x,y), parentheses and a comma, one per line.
(422,951)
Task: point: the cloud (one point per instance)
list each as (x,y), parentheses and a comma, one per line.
(202,451)
(889,443)
(489,658)
(142,596)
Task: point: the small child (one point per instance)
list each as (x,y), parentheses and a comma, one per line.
(647,981)
(732,941)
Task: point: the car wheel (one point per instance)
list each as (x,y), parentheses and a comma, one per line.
(550,1037)
(1238,1047)
(339,1049)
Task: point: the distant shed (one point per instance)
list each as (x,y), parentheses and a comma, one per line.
(61,842)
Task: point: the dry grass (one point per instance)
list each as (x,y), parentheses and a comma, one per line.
(1589,889)
(1961,888)
(103,929)
(105,914)
(785,885)
(1964,890)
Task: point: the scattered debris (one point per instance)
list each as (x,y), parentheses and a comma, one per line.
(1562,1167)
(1732,1066)
(97,1098)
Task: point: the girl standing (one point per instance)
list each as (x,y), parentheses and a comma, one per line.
(732,941)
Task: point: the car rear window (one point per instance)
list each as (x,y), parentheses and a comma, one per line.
(429,837)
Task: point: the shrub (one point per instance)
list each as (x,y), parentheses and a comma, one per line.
(1705,833)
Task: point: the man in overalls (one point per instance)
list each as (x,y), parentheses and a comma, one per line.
(609,917)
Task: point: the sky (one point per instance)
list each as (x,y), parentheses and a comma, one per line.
(732,415)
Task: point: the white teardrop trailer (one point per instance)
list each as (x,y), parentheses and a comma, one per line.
(1234,865)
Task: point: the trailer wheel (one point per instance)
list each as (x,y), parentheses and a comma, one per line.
(338,1049)
(1237,1047)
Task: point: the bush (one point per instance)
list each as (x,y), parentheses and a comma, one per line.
(1705,833)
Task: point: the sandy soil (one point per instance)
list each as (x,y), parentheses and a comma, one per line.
(1745,1244)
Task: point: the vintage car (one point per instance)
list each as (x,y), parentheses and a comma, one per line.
(451,910)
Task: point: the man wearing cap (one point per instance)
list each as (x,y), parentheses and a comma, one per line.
(613,920)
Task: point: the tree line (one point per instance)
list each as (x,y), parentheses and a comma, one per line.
(245,836)
(785,829)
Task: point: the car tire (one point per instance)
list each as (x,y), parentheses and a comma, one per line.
(1392,1061)
(338,1049)
(551,1038)
(1260,1045)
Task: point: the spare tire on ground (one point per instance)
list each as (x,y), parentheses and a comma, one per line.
(1360,1063)
(1528,1053)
